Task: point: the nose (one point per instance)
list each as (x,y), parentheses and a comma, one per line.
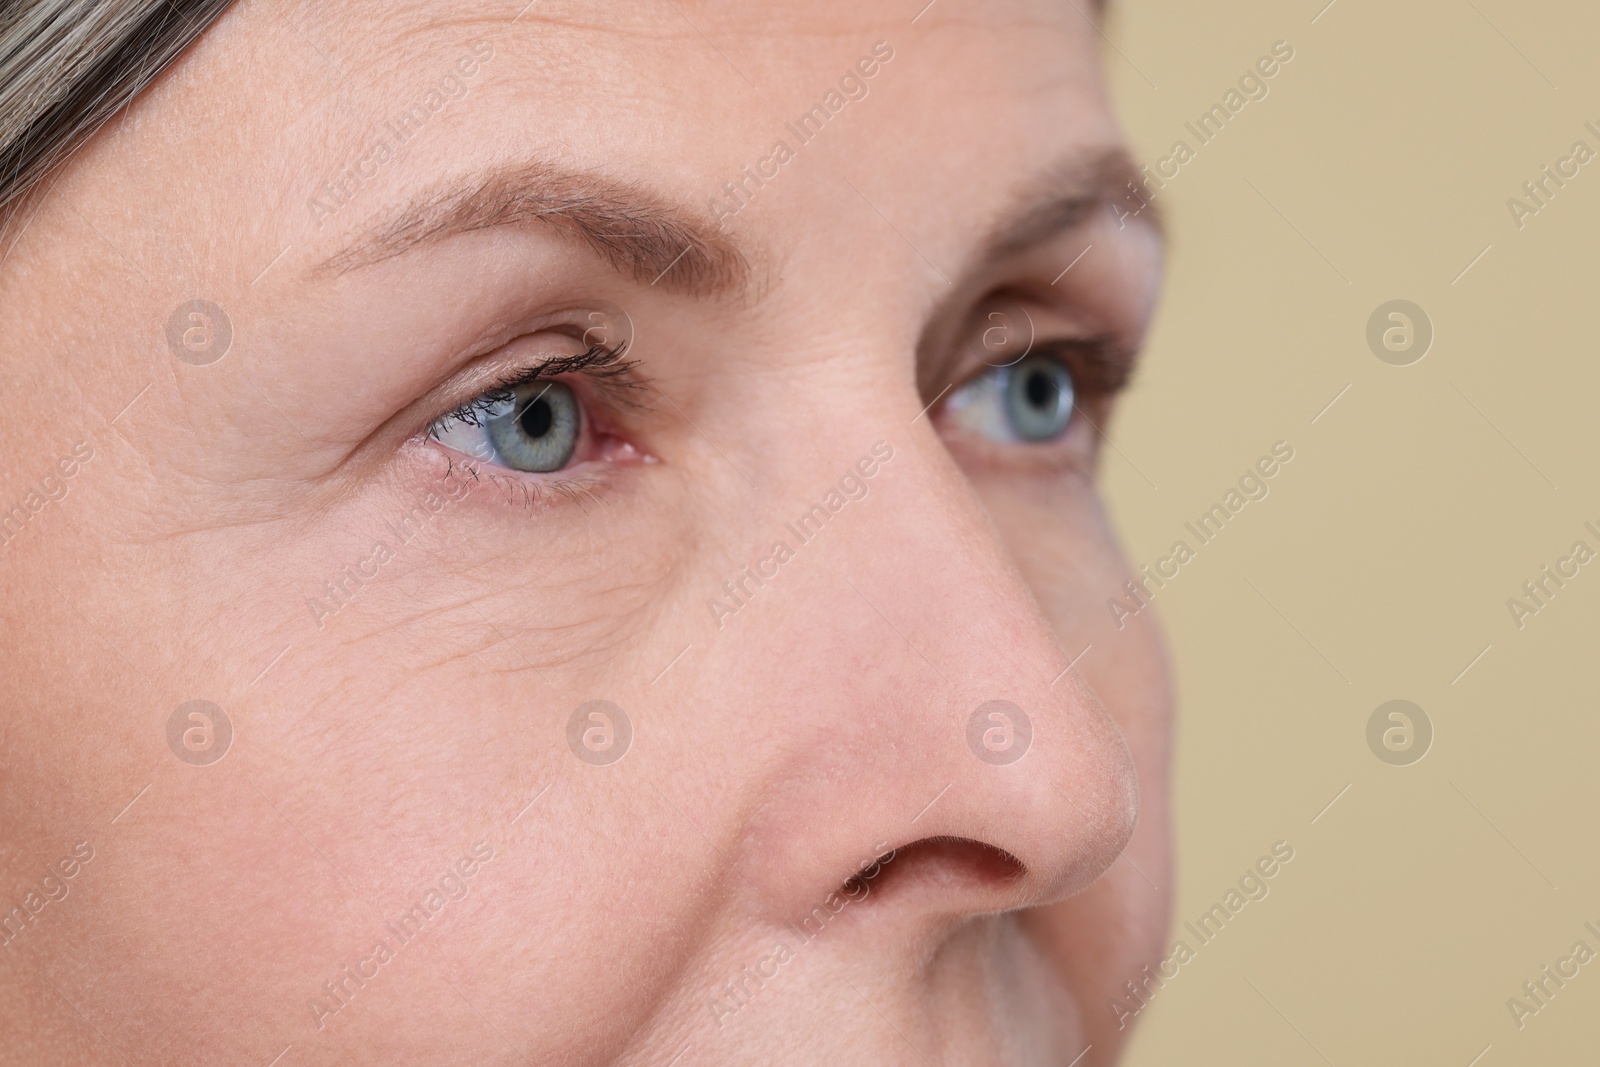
(949,764)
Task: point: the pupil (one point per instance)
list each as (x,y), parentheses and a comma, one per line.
(1040,389)
(536,418)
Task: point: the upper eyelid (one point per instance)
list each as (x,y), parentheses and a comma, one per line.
(607,369)
(601,364)
(1099,364)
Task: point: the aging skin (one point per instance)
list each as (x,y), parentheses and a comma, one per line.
(400,628)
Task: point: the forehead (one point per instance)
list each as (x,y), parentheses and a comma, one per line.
(973,103)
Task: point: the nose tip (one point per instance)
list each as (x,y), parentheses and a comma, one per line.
(1001,809)
(1087,794)
(1055,791)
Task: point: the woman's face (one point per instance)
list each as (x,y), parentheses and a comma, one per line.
(598,467)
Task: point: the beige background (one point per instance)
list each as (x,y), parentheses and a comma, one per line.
(1378,167)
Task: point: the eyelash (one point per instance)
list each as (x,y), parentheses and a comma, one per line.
(1101,366)
(608,369)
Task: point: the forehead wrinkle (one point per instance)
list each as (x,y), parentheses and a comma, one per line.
(636,231)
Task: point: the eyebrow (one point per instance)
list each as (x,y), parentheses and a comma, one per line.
(1071,191)
(647,237)
(633,229)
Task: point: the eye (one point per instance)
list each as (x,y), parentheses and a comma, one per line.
(1030,401)
(534,426)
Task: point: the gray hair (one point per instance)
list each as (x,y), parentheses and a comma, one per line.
(68,66)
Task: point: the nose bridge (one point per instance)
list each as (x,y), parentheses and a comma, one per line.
(947,731)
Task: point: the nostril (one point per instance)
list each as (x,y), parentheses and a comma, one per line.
(939,863)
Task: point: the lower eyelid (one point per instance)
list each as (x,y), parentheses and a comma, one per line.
(527,489)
